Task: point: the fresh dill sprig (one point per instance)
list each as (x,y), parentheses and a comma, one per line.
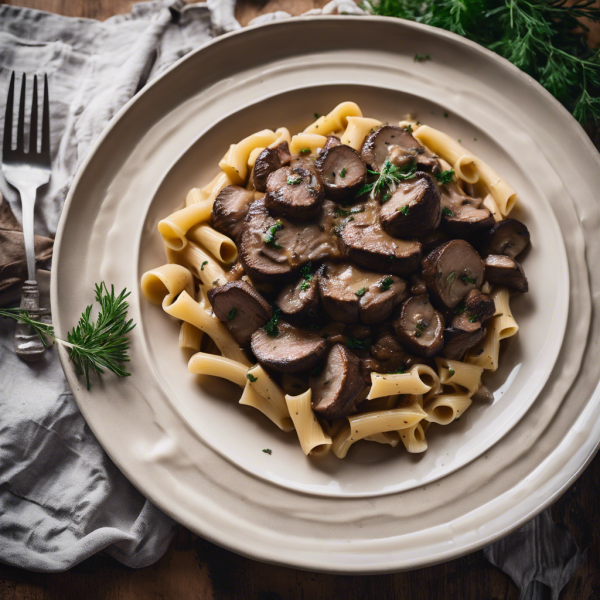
(388,179)
(93,345)
(544,38)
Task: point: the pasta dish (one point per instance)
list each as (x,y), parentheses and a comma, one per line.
(353,280)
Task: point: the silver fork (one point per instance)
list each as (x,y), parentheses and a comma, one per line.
(27,171)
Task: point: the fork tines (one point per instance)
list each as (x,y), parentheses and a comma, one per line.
(31,155)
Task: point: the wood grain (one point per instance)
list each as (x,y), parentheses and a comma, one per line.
(194,569)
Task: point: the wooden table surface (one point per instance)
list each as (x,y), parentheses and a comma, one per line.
(194,569)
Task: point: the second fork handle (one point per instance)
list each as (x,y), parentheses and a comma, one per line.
(28,207)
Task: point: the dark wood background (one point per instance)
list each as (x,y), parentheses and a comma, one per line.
(194,569)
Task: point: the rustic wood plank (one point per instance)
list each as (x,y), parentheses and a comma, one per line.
(194,569)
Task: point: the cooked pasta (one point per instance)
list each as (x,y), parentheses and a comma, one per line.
(318,278)
(310,433)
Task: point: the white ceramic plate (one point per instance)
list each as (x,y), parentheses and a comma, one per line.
(186,443)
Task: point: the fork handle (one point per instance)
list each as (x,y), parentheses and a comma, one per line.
(28,206)
(28,345)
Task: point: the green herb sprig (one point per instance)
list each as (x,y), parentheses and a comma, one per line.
(271,325)
(94,346)
(388,179)
(544,38)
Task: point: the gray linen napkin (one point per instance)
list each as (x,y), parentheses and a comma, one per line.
(53,522)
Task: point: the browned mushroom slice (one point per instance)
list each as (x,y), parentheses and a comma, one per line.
(268,161)
(451,271)
(230,209)
(299,301)
(339,387)
(241,308)
(289,351)
(331,142)
(365,243)
(414,208)
(295,192)
(509,237)
(342,171)
(462,216)
(391,142)
(350,294)
(392,357)
(479,306)
(419,327)
(271,249)
(503,270)
(464,333)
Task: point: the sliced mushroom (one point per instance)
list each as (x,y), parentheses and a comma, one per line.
(241,308)
(341,170)
(230,209)
(419,327)
(294,192)
(338,389)
(271,252)
(432,240)
(290,351)
(365,243)
(414,208)
(417,284)
(463,334)
(269,161)
(299,301)
(390,354)
(503,270)
(479,306)
(331,142)
(509,237)
(350,294)
(463,216)
(451,271)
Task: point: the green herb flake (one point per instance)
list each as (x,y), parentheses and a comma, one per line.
(445,177)
(343,172)
(422,57)
(269,238)
(317,115)
(461,307)
(358,344)
(474,318)
(397,372)
(361,292)
(447,212)
(459,141)
(203,265)
(267,451)
(251,377)
(385,198)
(420,325)
(386,284)
(445,115)
(451,372)
(271,325)
(388,178)
(466,279)
(417,334)
(409,128)
(294,179)
(450,277)
(404,210)
(305,151)
(232,314)
(304,286)
(392,258)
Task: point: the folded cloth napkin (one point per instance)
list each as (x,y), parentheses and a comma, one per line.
(61,498)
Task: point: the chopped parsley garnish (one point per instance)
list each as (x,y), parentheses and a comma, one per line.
(269,239)
(417,334)
(294,179)
(232,314)
(451,372)
(267,451)
(446,211)
(459,141)
(251,377)
(409,128)
(461,307)
(474,318)
(422,57)
(404,210)
(305,151)
(446,115)
(385,198)
(305,272)
(392,257)
(451,277)
(466,279)
(386,284)
(420,325)
(359,344)
(271,325)
(445,176)
(304,286)
(361,292)
(388,178)
(203,265)
(399,371)
(343,172)
(317,115)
